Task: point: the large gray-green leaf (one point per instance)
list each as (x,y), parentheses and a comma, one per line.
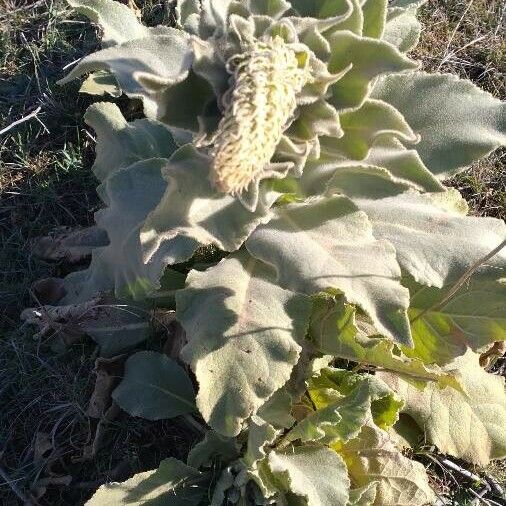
(468,426)
(402,163)
(118,22)
(154,387)
(131,194)
(435,242)
(144,68)
(458,123)
(444,327)
(192,212)
(326,243)
(402,29)
(314,473)
(243,333)
(172,484)
(334,332)
(120,144)
(373,457)
(213,448)
(375,12)
(370,58)
(374,120)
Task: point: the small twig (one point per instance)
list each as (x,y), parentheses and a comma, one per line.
(461,282)
(496,487)
(479,497)
(28,117)
(39,3)
(464,472)
(21,496)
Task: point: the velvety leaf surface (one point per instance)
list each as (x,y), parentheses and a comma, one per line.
(434,240)
(154,387)
(120,144)
(193,213)
(455,131)
(243,333)
(172,484)
(131,194)
(469,426)
(213,447)
(370,58)
(326,243)
(372,457)
(334,332)
(118,22)
(402,29)
(473,317)
(313,472)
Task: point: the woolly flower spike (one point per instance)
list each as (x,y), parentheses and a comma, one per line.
(259,106)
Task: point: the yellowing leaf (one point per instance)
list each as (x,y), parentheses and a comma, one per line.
(469,426)
(373,457)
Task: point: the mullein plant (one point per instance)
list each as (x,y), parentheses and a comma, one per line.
(298,142)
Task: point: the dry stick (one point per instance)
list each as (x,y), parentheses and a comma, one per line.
(33,114)
(464,472)
(22,497)
(463,279)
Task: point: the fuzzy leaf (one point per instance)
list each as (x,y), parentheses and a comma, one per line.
(432,236)
(118,22)
(455,131)
(101,83)
(315,473)
(327,244)
(243,333)
(363,496)
(131,194)
(402,29)
(473,317)
(144,68)
(372,457)
(172,484)
(362,127)
(154,387)
(402,163)
(370,58)
(375,12)
(193,213)
(120,144)
(273,8)
(334,332)
(469,426)
(277,410)
(213,447)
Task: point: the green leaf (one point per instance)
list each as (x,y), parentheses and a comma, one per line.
(260,435)
(314,473)
(277,410)
(172,484)
(458,123)
(118,22)
(193,213)
(326,243)
(273,8)
(370,58)
(334,332)
(389,153)
(375,12)
(365,181)
(402,29)
(243,333)
(101,83)
(154,387)
(468,426)
(120,144)
(363,496)
(373,458)
(362,127)
(131,194)
(340,420)
(473,317)
(432,236)
(212,448)
(143,68)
